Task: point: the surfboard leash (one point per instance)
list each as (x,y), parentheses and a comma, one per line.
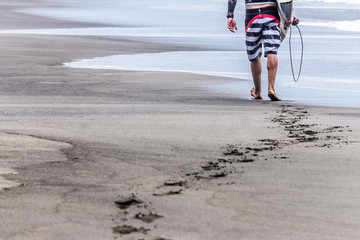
(295,23)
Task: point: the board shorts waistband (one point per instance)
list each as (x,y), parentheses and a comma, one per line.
(252,13)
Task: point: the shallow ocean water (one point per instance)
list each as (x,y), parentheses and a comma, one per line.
(330,28)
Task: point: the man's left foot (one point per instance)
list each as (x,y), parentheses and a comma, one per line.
(252,92)
(273,97)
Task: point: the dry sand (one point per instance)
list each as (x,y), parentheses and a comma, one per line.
(95,154)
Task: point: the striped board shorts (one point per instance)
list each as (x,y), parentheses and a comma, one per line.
(262,31)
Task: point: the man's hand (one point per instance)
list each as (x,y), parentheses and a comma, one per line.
(231,24)
(288,23)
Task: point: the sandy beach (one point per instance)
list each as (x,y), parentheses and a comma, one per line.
(104,154)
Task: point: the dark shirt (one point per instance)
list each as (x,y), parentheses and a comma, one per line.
(232,4)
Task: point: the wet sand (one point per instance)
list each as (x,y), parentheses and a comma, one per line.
(95,154)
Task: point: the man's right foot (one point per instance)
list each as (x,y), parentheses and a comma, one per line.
(252,92)
(273,97)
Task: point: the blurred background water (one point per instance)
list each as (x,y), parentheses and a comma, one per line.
(331,32)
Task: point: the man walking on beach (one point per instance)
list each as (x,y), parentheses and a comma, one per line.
(262,28)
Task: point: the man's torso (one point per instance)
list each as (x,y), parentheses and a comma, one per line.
(259,2)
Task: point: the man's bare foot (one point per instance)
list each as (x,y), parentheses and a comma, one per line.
(254,95)
(273,96)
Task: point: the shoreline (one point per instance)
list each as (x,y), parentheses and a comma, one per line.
(106,154)
(315,87)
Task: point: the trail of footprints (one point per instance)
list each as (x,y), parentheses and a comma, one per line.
(289,119)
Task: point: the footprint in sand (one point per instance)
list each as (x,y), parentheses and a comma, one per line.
(147,218)
(128,202)
(125,230)
(171,187)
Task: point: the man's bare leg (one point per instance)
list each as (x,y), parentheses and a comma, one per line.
(272,65)
(256,74)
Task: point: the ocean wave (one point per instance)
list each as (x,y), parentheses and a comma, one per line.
(350,26)
(334,1)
